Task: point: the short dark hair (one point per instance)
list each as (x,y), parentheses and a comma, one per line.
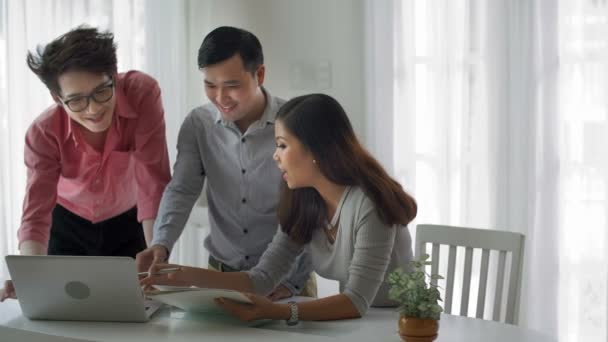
(321,125)
(81,49)
(226,41)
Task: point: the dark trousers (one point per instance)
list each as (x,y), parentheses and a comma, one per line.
(71,234)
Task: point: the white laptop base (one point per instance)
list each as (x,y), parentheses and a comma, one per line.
(79,288)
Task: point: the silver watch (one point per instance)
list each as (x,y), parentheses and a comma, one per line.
(293,319)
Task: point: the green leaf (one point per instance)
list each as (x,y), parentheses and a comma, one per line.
(416,296)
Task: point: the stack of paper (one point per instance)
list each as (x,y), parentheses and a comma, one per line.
(195,299)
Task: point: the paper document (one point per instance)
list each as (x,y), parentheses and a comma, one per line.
(195,299)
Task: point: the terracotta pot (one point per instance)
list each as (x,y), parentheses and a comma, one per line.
(418,330)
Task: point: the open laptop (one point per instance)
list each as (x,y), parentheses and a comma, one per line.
(79,288)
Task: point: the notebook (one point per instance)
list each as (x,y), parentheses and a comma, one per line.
(79,288)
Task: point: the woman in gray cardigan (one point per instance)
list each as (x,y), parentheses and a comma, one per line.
(338,202)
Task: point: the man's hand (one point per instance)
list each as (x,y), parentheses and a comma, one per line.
(27,247)
(151,256)
(8,291)
(279,293)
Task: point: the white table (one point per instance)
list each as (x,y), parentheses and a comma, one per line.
(175,325)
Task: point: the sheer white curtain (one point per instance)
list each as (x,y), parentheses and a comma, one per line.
(583,129)
(152,36)
(499,120)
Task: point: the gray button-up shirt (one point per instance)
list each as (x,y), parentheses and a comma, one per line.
(243,184)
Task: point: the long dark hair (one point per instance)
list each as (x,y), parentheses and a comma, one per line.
(319,122)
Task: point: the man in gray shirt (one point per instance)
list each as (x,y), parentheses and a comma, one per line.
(229,142)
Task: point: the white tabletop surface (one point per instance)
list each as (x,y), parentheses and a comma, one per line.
(175,325)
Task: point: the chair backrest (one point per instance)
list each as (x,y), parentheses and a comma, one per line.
(487,240)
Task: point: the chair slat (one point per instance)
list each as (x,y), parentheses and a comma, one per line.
(466,281)
(435,262)
(420,247)
(449,286)
(514,284)
(483,283)
(469,237)
(500,279)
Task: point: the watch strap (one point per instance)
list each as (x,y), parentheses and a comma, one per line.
(293,318)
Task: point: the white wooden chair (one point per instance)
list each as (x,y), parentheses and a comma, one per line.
(501,241)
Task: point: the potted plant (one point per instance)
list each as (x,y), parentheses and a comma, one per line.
(418,301)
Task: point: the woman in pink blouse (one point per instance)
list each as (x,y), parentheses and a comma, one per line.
(97,159)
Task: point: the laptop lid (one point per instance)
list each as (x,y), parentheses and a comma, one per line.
(79,288)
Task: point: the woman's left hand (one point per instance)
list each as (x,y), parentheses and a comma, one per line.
(260,308)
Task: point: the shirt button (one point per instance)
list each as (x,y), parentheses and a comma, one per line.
(244,200)
(242,140)
(97,181)
(245,231)
(246,257)
(243,171)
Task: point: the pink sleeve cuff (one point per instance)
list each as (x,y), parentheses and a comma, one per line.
(147,209)
(33,235)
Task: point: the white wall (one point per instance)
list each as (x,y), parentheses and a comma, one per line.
(309,46)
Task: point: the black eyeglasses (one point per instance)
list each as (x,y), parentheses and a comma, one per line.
(102,94)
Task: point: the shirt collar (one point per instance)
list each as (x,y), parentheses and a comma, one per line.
(267,117)
(123,108)
(336,218)
(69,132)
